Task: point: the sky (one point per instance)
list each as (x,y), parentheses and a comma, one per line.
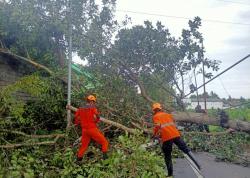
(227,42)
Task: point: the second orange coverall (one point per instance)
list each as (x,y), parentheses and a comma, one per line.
(165,126)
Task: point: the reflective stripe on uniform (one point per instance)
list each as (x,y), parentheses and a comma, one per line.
(165,125)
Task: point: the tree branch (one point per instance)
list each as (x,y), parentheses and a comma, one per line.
(30,144)
(31,136)
(134,77)
(115,124)
(8,53)
(173,78)
(32,62)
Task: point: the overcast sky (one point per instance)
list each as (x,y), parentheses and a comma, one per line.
(227,42)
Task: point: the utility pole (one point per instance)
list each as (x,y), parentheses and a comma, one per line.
(197,94)
(69,65)
(203,71)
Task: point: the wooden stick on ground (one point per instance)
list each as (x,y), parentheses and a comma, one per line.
(31,144)
(31,136)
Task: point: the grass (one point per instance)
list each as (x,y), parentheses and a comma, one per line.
(235,114)
(239,113)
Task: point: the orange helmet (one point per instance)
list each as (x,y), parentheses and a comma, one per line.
(156,106)
(91,98)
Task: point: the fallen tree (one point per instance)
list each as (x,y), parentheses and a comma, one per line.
(190,117)
(150,131)
(200,118)
(197,118)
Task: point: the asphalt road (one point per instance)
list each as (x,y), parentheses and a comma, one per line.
(210,168)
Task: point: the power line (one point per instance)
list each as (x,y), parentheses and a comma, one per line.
(219,74)
(234,2)
(181,17)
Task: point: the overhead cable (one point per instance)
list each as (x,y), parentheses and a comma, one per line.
(219,74)
(182,17)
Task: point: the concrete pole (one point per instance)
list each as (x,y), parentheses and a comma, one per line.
(69,66)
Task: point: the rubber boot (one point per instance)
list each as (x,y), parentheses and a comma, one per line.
(169,168)
(166,173)
(78,160)
(192,157)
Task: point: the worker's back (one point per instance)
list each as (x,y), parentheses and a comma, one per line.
(168,129)
(86,117)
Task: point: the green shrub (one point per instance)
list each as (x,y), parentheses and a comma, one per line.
(126,159)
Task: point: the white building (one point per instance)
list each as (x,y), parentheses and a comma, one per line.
(211,103)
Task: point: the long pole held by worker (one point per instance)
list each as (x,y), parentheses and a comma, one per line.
(69,66)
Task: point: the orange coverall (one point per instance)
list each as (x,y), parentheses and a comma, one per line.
(87,118)
(164,126)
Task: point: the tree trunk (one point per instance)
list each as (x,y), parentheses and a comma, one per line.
(197,94)
(182,83)
(200,118)
(197,118)
(60,52)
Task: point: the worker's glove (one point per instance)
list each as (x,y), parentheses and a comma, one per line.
(68,107)
(155,138)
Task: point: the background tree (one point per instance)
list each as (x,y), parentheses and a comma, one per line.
(142,54)
(192,54)
(39,29)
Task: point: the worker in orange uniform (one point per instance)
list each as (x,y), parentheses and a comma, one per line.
(166,129)
(87,117)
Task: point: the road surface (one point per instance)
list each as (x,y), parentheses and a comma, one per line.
(210,168)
